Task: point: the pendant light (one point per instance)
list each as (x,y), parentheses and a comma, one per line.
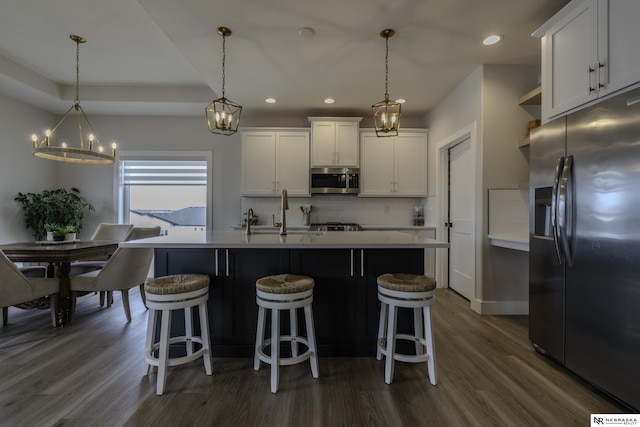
(223,115)
(91,151)
(386,113)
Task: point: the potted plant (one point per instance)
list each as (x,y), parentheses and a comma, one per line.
(53,207)
(60,232)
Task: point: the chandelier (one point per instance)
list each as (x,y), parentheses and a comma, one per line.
(223,115)
(90,151)
(386,114)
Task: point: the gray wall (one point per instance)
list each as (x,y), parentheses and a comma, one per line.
(489,96)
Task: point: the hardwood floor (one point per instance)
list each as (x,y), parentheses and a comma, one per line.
(90,374)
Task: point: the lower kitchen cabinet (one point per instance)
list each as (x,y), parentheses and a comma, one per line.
(345,303)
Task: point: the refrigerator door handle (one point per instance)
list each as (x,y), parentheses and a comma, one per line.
(554,208)
(565,208)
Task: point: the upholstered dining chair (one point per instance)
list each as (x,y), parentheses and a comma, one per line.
(104,231)
(143,233)
(16,288)
(126,268)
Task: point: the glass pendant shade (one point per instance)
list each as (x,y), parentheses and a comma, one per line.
(88,149)
(386,113)
(223,115)
(386,116)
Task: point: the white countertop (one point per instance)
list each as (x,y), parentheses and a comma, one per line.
(294,239)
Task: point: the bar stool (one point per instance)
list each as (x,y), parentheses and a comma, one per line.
(164,294)
(284,292)
(398,290)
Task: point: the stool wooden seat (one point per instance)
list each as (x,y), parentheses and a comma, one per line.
(164,294)
(399,290)
(284,292)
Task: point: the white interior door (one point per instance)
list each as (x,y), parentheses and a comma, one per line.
(461,221)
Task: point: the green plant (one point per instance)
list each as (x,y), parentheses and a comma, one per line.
(59,208)
(59,230)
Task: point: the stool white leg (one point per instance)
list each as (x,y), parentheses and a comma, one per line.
(259,337)
(163,354)
(311,336)
(293,321)
(151,332)
(418,330)
(275,349)
(382,327)
(431,349)
(188,329)
(206,340)
(391,344)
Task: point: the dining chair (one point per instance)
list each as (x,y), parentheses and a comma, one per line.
(126,268)
(143,233)
(16,288)
(104,231)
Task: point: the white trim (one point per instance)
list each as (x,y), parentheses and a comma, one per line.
(442,171)
(124,155)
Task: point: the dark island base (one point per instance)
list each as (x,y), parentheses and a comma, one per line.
(345,304)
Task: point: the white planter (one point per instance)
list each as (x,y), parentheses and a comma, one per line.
(70,236)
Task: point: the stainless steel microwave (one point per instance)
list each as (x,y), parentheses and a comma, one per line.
(335,180)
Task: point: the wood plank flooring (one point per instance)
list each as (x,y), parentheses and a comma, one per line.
(90,374)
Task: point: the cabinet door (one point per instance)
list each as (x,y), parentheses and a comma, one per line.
(323,145)
(240,311)
(375,262)
(376,172)
(259,163)
(619,50)
(334,306)
(292,163)
(570,58)
(410,168)
(195,261)
(347,144)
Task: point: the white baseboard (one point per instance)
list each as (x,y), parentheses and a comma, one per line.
(504,308)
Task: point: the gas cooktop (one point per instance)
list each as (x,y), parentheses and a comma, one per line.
(335,226)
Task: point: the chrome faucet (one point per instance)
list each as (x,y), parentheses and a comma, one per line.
(249,218)
(284,205)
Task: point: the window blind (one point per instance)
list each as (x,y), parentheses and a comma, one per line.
(164,172)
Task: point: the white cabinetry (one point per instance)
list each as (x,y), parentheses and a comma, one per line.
(334,141)
(273,161)
(589,49)
(394,166)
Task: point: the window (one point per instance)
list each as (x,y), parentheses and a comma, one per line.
(167,190)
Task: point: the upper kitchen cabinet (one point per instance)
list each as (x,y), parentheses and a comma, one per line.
(334,141)
(274,160)
(589,49)
(394,166)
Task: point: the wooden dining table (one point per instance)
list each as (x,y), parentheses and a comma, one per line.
(60,255)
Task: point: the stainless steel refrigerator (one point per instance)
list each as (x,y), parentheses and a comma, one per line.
(584,287)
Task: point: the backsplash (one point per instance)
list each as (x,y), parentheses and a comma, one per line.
(339,208)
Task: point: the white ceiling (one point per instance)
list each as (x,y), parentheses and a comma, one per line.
(164,56)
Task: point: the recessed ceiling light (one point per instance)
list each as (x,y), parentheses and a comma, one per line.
(270,100)
(329,101)
(492,39)
(401,101)
(306,32)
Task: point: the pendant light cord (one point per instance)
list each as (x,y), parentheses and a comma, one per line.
(224,54)
(386,74)
(77,100)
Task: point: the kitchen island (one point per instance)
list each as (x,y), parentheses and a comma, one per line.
(344,265)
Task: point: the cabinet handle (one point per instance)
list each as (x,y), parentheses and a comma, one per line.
(590,70)
(361,262)
(600,74)
(216,257)
(226,257)
(351,262)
